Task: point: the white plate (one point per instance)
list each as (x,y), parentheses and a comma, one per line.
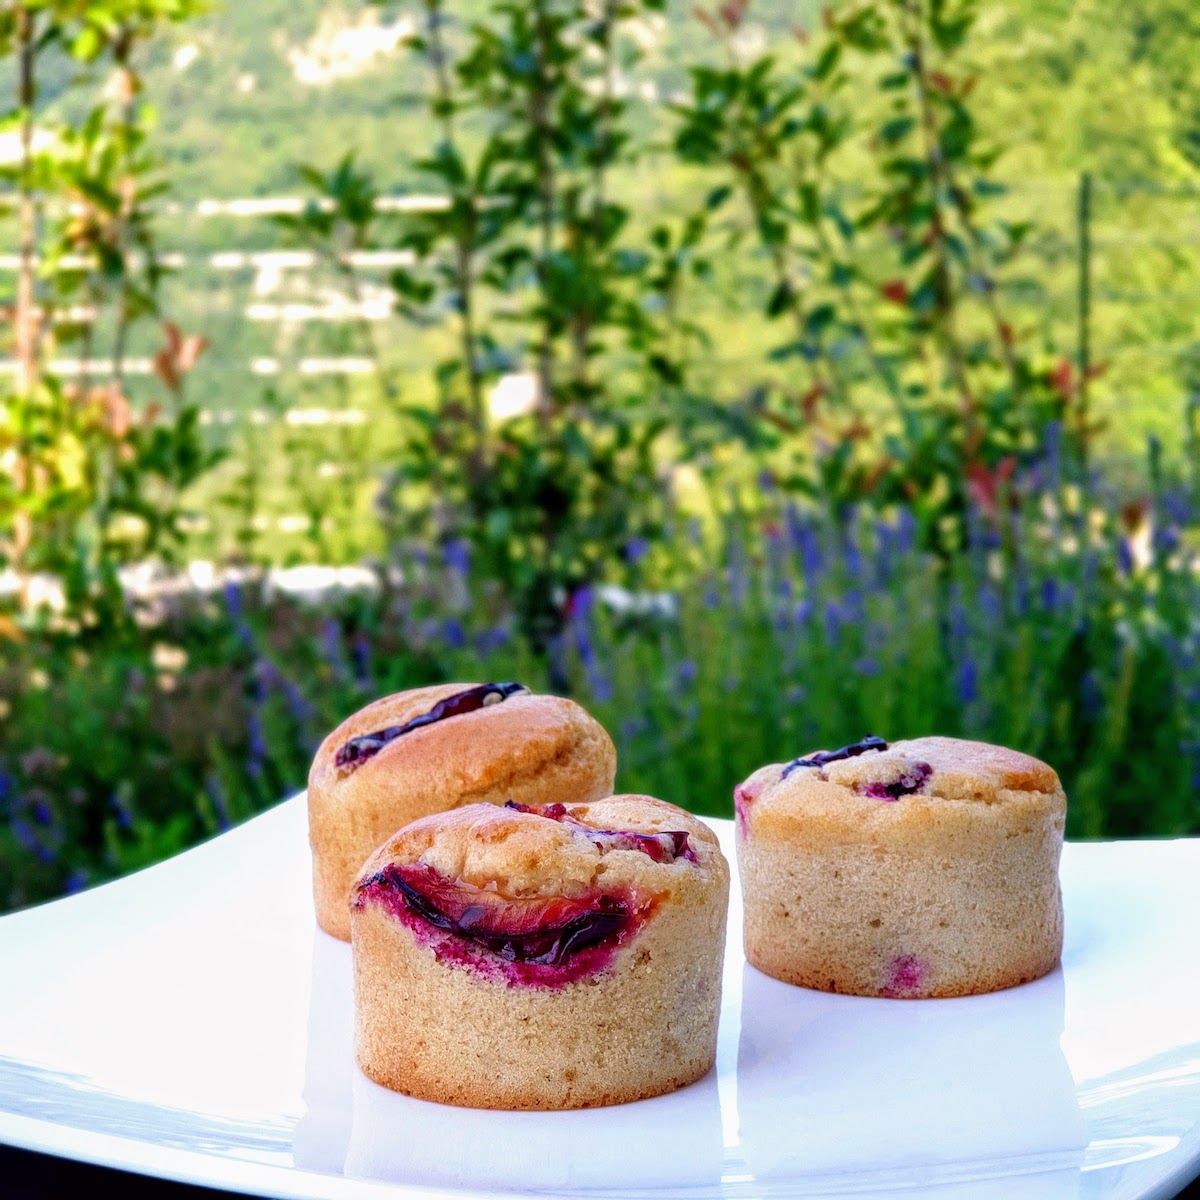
(189,1022)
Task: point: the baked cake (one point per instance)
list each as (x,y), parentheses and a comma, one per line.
(434,748)
(550,958)
(925,868)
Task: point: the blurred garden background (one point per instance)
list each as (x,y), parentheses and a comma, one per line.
(762,374)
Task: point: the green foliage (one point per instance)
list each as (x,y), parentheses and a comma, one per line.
(531,256)
(1059,631)
(868,182)
(92,482)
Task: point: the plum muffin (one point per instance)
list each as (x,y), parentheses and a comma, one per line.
(926,868)
(550,958)
(435,748)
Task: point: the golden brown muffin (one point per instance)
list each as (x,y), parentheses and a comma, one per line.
(434,748)
(550,958)
(927,868)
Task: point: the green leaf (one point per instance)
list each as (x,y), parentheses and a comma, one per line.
(717,197)
(826,61)
(781,298)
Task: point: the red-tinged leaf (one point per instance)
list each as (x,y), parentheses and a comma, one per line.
(982,487)
(876,475)
(164,368)
(781,423)
(174,337)
(1062,379)
(811,399)
(117,411)
(1134,514)
(941,82)
(733,12)
(895,290)
(1006,333)
(190,350)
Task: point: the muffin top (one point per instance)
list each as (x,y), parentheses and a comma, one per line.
(543,897)
(871,784)
(475,734)
(620,844)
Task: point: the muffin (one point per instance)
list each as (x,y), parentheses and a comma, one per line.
(551,958)
(434,748)
(927,868)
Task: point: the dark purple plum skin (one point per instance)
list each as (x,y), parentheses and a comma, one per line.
(831,756)
(652,844)
(358,749)
(551,945)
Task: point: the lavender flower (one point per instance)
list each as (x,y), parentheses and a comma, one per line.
(737,573)
(491,640)
(582,602)
(851,554)
(220,802)
(331,649)
(258,743)
(361,649)
(233,606)
(808,544)
(458,556)
(833,622)
(120,806)
(453,633)
(967,680)
(27,837)
(1052,456)
(636,549)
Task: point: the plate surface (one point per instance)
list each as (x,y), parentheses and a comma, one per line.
(190,1022)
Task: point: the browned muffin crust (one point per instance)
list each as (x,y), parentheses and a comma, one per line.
(445,1020)
(855,883)
(535,749)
